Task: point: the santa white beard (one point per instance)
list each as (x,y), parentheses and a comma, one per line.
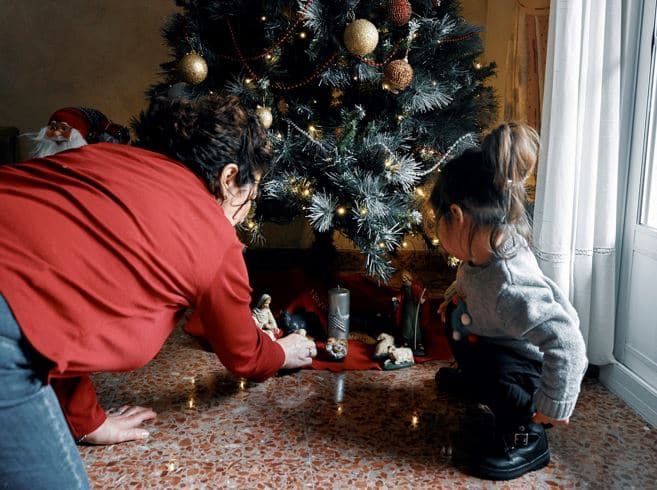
(45,146)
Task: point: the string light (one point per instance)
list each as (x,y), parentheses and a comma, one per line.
(300,17)
(341,211)
(420,191)
(453,262)
(477,66)
(404,244)
(435,241)
(302,35)
(448,152)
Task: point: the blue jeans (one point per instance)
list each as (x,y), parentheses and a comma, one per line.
(37,450)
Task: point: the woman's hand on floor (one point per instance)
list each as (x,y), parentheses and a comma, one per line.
(122,425)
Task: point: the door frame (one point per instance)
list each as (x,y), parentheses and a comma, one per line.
(636,88)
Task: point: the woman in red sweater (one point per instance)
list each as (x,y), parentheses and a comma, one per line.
(101,249)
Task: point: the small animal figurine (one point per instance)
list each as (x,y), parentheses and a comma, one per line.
(291,323)
(384,341)
(399,357)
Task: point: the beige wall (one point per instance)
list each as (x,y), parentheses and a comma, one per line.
(96,53)
(497,17)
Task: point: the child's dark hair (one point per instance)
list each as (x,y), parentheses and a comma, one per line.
(205,134)
(489,184)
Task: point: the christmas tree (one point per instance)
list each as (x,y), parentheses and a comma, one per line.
(364,101)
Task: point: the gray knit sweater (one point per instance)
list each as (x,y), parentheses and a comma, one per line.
(511,302)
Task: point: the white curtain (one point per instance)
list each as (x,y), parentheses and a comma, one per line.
(575,209)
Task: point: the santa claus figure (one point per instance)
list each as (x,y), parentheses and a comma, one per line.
(73,127)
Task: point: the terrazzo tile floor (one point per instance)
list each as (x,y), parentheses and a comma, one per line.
(323,430)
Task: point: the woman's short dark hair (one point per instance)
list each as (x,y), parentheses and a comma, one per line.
(205,134)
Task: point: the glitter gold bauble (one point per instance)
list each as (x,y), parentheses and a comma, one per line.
(265,116)
(398,74)
(361,37)
(399,12)
(193,68)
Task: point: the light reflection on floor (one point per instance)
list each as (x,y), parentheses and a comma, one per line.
(357,429)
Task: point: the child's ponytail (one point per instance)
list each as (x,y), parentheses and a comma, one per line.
(489,185)
(511,150)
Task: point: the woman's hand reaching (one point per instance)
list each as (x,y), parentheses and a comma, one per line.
(299,351)
(122,425)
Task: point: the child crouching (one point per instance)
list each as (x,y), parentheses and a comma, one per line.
(513,333)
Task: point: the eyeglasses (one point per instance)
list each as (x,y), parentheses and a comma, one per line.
(254,194)
(59,126)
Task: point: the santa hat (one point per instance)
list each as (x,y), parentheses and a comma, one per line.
(92,124)
(74,118)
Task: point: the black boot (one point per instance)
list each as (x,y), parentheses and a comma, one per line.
(514,453)
(450,380)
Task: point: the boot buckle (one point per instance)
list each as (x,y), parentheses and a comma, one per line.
(520,439)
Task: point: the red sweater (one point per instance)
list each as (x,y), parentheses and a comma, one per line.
(100,250)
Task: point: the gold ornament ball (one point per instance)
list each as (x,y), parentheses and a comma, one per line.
(398,74)
(265,116)
(399,12)
(361,37)
(193,68)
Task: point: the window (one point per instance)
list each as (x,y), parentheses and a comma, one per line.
(648,212)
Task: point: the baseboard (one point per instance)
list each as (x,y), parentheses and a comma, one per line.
(633,390)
